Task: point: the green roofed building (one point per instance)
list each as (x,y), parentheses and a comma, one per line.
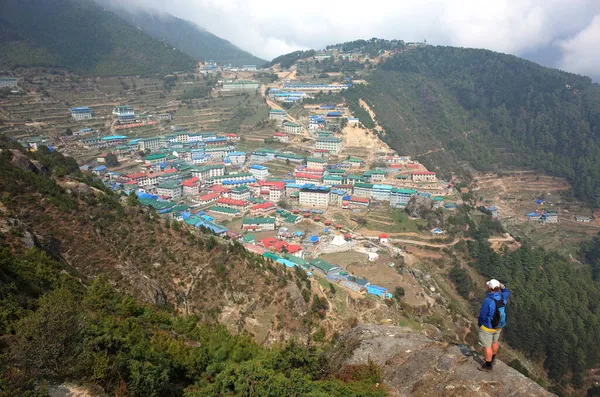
(224,210)
(323,266)
(249,239)
(155,158)
(399,197)
(292,128)
(296,260)
(258,224)
(171,189)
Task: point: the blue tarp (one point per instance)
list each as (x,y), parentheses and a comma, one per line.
(326,230)
(146,195)
(314,239)
(376,290)
(286,262)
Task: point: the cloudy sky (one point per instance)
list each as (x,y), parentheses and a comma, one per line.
(560,33)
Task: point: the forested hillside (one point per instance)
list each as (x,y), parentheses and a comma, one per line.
(187,37)
(492,110)
(80,36)
(554,315)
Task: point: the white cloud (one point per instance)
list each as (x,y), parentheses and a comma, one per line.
(271,27)
(580,53)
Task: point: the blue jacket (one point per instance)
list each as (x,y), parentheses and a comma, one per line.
(489,307)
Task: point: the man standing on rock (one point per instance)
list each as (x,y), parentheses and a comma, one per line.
(492,318)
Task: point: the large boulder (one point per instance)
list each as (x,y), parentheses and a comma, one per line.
(413,364)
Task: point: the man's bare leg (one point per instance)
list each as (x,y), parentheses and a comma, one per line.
(495,348)
(488,353)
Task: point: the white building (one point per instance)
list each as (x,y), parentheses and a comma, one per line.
(314,197)
(81,113)
(332,144)
(151,144)
(292,128)
(240,85)
(277,114)
(123,110)
(258,224)
(283,138)
(191,186)
(275,194)
(259,172)
(312,162)
(170,189)
(423,176)
(10,82)
(237,158)
(208,171)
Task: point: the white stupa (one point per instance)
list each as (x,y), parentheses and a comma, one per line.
(338,240)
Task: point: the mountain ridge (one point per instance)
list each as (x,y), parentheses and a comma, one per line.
(79,35)
(187,36)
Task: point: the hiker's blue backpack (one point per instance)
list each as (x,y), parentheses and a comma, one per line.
(499,319)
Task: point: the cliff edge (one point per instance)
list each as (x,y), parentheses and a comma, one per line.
(412,364)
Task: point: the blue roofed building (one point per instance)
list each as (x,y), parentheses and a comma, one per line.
(81,113)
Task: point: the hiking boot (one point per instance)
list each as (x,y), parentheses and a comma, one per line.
(494,359)
(485,367)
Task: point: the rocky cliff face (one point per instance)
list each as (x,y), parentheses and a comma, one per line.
(412,364)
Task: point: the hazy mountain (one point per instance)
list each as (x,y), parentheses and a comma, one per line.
(81,36)
(186,36)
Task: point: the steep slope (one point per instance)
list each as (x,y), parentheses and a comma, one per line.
(77,221)
(186,36)
(81,36)
(490,109)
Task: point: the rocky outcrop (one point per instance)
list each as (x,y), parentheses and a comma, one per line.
(23,162)
(413,364)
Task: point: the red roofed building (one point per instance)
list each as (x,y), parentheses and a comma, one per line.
(191,186)
(274,189)
(240,205)
(262,208)
(141,178)
(218,189)
(276,184)
(273,244)
(208,198)
(254,248)
(320,153)
(233,137)
(313,171)
(383,238)
(281,137)
(422,176)
(304,178)
(355,202)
